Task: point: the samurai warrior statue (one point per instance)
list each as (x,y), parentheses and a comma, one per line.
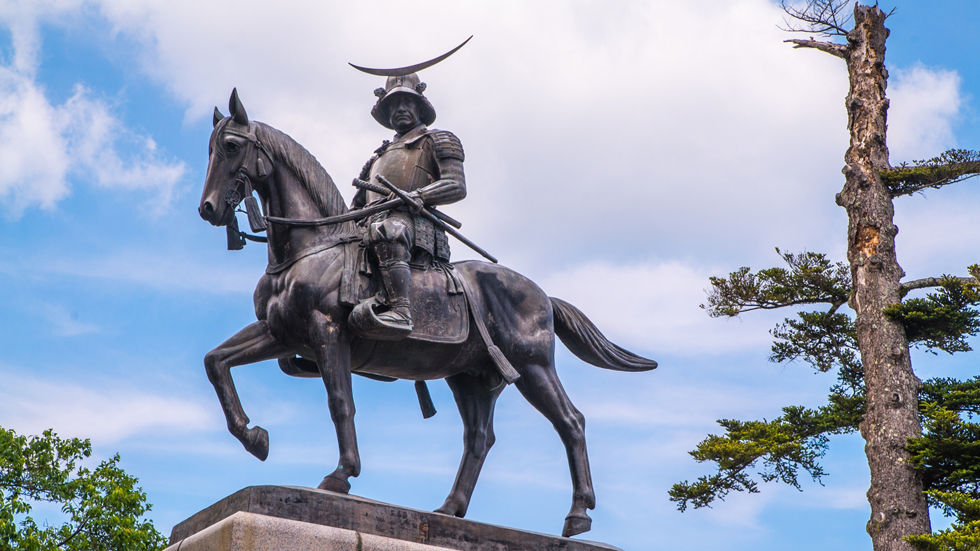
(428,165)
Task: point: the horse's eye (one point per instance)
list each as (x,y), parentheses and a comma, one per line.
(231,147)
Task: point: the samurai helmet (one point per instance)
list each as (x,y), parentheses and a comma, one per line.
(408,84)
(404,80)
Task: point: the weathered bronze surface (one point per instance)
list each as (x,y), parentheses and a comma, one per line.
(318,260)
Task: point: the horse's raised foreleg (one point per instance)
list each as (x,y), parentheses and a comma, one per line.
(332,352)
(475,402)
(540,386)
(254,343)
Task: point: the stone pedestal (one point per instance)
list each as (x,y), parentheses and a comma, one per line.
(290,518)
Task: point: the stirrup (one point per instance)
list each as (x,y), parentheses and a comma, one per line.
(368,324)
(400,317)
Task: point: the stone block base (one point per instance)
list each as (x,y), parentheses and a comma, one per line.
(251,532)
(290,518)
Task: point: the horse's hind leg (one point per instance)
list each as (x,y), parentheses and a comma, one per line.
(254,343)
(475,402)
(540,386)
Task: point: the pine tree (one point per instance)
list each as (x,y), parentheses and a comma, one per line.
(876,391)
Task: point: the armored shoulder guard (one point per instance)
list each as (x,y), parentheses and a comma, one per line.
(446,145)
(366,169)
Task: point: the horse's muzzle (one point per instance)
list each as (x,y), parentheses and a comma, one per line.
(206,210)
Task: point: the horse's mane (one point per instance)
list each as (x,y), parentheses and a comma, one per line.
(304,166)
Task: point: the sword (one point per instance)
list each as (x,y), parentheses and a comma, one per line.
(435,219)
(381,190)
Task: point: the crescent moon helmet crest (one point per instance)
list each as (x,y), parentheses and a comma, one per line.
(404,80)
(405,71)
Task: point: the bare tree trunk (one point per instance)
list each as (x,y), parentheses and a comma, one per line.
(898,506)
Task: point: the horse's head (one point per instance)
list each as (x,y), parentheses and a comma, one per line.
(236,158)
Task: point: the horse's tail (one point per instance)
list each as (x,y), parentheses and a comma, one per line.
(582,337)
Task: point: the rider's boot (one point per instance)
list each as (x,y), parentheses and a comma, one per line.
(386,316)
(397,279)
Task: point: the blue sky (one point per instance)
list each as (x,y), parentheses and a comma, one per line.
(641,146)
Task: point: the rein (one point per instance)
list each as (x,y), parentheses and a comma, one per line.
(338,218)
(276,268)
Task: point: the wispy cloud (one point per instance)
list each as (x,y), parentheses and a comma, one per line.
(45,146)
(170,272)
(64,322)
(107,413)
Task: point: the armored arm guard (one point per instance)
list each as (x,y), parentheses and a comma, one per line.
(451,185)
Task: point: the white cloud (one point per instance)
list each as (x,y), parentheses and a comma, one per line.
(107,414)
(925,104)
(32,147)
(598,131)
(654,306)
(94,137)
(583,126)
(938,232)
(44,146)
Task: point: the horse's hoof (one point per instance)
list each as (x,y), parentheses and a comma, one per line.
(335,484)
(576,524)
(257,442)
(448,508)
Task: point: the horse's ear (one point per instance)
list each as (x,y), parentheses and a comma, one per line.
(237,109)
(217,116)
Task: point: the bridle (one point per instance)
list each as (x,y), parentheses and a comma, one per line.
(243,184)
(242,190)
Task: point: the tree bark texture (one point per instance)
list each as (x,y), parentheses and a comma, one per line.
(898,506)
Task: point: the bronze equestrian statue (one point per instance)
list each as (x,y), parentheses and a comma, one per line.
(323,313)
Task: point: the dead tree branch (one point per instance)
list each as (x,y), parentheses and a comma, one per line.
(838,50)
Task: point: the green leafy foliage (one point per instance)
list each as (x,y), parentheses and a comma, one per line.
(792,442)
(948,455)
(954,165)
(822,339)
(751,452)
(810,278)
(103,506)
(943,319)
(964,535)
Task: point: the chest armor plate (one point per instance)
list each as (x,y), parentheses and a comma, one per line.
(408,165)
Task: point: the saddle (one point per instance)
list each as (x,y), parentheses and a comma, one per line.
(440,311)
(438,301)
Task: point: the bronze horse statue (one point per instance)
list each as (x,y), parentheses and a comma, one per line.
(302,321)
